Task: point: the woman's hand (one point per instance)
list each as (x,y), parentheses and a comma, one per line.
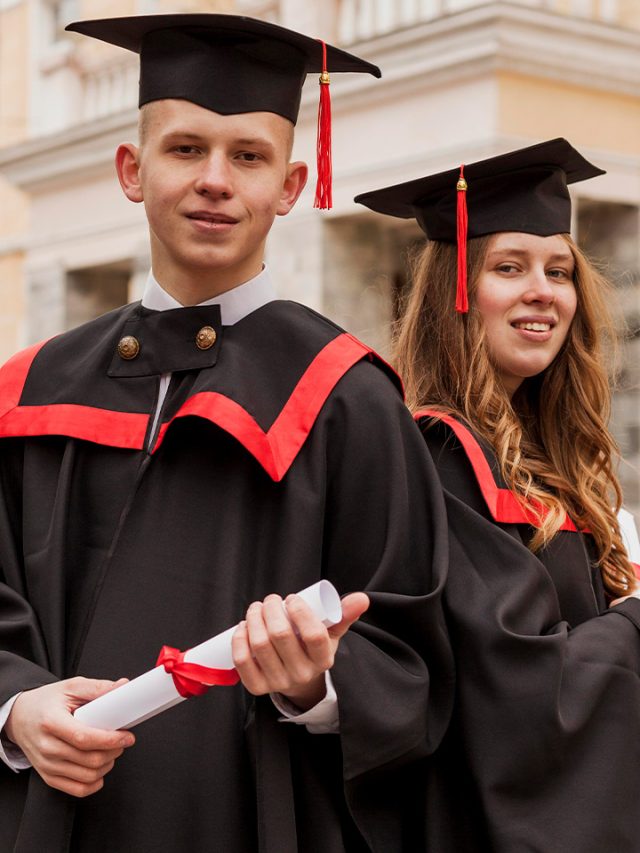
(634,594)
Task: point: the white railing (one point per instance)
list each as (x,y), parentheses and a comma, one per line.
(362,19)
(267,10)
(110,89)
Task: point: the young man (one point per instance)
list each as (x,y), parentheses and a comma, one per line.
(181,462)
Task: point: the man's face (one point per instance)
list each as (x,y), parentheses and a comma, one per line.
(211,185)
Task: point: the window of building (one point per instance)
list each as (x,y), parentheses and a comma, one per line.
(366,274)
(94,291)
(609,233)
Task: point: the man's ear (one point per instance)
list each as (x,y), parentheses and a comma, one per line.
(128,169)
(294,183)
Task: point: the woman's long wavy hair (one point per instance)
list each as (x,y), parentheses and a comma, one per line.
(551,439)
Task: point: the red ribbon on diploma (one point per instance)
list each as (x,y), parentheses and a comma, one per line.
(192,679)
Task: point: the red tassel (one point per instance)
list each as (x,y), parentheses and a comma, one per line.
(462,301)
(324,195)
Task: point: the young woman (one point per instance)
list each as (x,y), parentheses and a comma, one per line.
(512,395)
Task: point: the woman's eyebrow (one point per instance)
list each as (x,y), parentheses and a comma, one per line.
(508,250)
(556,256)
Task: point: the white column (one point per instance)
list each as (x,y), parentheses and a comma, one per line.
(140,270)
(295,255)
(46,302)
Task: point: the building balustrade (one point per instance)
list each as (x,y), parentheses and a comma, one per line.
(109,89)
(358,20)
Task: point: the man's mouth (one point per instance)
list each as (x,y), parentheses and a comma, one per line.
(211,217)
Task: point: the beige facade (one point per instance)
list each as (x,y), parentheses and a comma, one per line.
(14,203)
(462,79)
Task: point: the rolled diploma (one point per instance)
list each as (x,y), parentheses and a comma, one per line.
(154,691)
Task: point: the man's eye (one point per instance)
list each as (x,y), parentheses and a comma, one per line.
(184,149)
(249,156)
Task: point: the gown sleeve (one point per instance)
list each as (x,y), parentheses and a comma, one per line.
(548,717)
(23,656)
(386,534)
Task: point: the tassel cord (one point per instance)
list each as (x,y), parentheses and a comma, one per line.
(324,193)
(462,221)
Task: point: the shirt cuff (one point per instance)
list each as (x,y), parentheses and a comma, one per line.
(11,754)
(322,719)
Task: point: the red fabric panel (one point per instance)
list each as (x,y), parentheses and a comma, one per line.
(502,503)
(14,374)
(114,429)
(276,449)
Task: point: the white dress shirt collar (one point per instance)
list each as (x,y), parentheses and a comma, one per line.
(234,304)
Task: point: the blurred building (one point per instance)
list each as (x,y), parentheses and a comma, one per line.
(462,80)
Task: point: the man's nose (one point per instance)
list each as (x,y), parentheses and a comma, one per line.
(214,178)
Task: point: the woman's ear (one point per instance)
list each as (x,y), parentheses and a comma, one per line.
(128,169)
(293,185)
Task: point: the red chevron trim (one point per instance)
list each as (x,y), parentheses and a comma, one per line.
(277,448)
(502,503)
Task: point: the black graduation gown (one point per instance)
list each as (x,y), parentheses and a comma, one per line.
(284,455)
(543,752)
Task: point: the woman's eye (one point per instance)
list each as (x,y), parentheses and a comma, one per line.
(507,268)
(558,274)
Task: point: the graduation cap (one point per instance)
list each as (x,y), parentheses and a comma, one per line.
(231,64)
(524,190)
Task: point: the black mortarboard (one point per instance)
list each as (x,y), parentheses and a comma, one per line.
(225,63)
(524,190)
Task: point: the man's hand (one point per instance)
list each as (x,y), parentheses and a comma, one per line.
(69,756)
(276,654)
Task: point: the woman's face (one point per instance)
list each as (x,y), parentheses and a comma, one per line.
(527,299)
